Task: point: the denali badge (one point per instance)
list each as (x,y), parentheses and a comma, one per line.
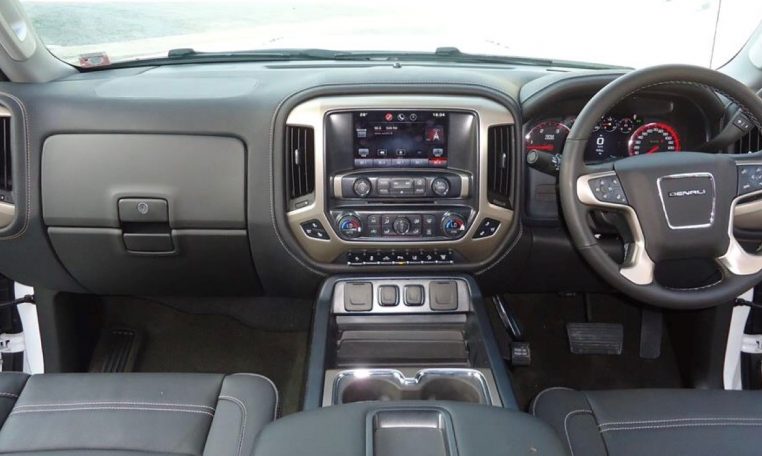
(681,193)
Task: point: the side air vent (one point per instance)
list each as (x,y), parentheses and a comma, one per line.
(500,145)
(751,142)
(6,175)
(300,160)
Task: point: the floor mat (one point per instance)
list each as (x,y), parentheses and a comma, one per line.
(177,341)
(544,318)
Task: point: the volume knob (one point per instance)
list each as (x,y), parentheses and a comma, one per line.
(440,186)
(362,187)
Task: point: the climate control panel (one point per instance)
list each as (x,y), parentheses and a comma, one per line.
(429,225)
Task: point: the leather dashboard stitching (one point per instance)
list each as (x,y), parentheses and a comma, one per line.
(242,432)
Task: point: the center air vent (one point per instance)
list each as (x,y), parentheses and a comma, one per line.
(500,146)
(751,142)
(300,162)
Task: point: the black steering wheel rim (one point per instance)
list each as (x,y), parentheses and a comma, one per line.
(573,167)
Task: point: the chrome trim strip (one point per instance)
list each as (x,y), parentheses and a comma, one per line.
(637,267)
(683,176)
(312,114)
(736,259)
(7,212)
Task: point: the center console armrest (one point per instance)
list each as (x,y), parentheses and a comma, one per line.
(421,428)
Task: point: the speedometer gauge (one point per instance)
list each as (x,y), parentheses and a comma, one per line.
(654,137)
(547,136)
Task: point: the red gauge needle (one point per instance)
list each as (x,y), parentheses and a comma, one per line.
(653,149)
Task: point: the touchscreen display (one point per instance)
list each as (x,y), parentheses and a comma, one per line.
(400,139)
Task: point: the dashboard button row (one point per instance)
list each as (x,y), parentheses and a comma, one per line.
(409,257)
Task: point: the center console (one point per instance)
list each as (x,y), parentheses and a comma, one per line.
(401,180)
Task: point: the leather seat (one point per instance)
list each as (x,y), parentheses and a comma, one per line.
(133,414)
(654,422)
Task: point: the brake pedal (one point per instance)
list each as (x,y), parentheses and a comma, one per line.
(116,351)
(595,338)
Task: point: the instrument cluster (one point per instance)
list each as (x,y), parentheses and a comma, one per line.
(614,137)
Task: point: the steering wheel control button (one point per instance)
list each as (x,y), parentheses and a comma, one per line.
(608,189)
(358,297)
(487,228)
(414,295)
(350,226)
(315,230)
(443,296)
(388,295)
(147,210)
(749,178)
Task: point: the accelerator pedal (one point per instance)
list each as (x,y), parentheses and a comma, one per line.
(595,338)
(116,351)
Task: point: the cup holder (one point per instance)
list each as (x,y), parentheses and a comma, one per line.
(361,385)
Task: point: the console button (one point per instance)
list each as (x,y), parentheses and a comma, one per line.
(443,295)
(314,229)
(487,228)
(414,295)
(440,186)
(388,295)
(362,187)
(358,296)
(401,225)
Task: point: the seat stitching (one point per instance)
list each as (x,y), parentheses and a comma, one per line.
(9,395)
(104,408)
(566,426)
(683,425)
(272,384)
(129,403)
(242,406)
(539,395)
(678,420)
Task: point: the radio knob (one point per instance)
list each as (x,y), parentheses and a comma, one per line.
(362,187)
(401,225)
(453,225)
(440,186)
(350,226)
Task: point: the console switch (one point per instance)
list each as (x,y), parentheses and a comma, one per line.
(443,295)
(414,295)
(358,296)
(388,295)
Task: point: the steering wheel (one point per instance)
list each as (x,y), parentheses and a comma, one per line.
(677,206)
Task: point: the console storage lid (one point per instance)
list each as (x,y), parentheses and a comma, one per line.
(420,428)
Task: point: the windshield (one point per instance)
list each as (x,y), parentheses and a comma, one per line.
(635,34)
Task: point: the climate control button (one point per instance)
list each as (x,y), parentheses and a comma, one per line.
(350,226)
(453,225)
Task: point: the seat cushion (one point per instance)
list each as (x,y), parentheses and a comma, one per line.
(653,422)
(156,414)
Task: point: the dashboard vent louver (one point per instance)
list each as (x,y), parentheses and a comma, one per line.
(751,142)
(300,159)
(6,176)
(500,142)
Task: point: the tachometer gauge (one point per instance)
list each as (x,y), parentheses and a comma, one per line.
(654,137)
(547,136)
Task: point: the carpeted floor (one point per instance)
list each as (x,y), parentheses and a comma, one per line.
(544,318)
(179,341)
